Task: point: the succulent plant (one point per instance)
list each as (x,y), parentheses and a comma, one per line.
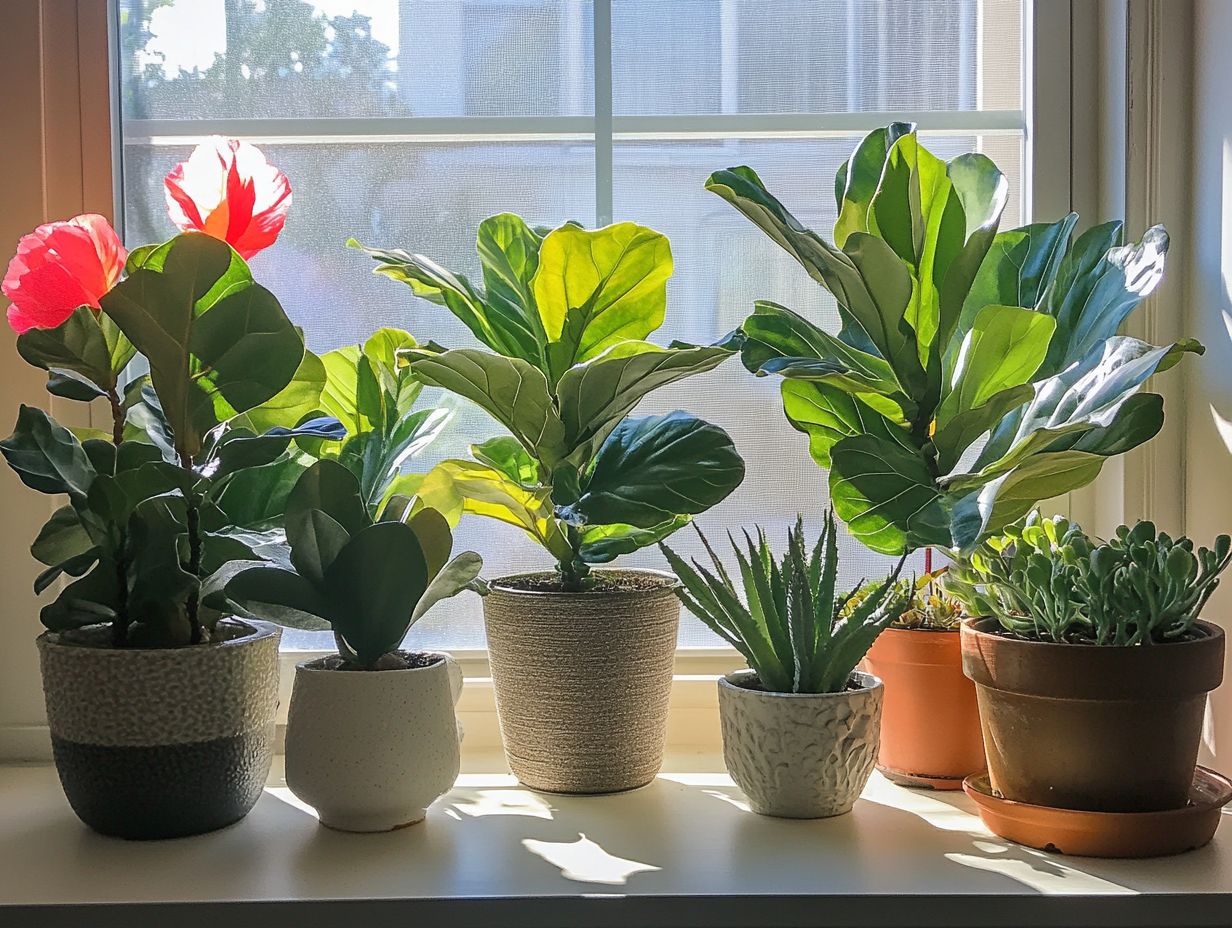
(791,627)
(928,606)
(368,581)
(1046,579)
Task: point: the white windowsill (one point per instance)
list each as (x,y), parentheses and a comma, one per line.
(683,851)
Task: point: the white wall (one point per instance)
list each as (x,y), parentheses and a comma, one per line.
(1208,448)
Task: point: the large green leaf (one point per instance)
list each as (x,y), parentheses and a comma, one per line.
(456,576)
(298,399)
(857,179)
(1003,348)
(509,253)
(514,392)
(218,344)
(46,456)
(886,495)
(76,346)
(828,414)
(506,455)
(499,326)
(652,469)
(604,543)
(373,587)
(62,538)
(594,288)
(279,595)
(594,396)
(1019,267)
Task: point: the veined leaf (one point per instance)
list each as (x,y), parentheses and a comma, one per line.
(827,414)
(288,408)
(886,495)
(506,454)
(857,179)
(46,456)
(596,288)
(1018,267)
(594,396)
(652,469)
(76,345)
(604,543)
(514,392)
(509,252)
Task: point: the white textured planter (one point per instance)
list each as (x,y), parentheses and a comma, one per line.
(370,750)
(800,755)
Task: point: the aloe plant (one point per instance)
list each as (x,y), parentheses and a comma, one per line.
(976,372)
(791,626)
(1046,579)
(565,315)
(367,581)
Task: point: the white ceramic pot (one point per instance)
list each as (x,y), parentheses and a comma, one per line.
(370,750)
(800,755)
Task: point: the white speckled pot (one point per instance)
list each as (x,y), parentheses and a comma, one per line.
(800,755)
(370,750)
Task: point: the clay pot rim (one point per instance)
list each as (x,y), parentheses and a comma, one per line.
(976,626)
(668,588)
(258,630)
(869,684)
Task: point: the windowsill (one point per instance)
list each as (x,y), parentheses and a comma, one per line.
(682,851)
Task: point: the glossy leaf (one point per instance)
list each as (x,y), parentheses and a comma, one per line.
(46,456)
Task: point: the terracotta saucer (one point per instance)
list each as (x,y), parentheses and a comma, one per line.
(1106,834)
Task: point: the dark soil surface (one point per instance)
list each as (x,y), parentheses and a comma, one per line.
(605,581)
(394,660)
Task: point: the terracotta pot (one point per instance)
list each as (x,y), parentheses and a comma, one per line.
(162,742)
(583,680)
(370,750)
(800,755)
(930,725)
(1102,729)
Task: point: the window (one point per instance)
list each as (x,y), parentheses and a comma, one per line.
(405,122)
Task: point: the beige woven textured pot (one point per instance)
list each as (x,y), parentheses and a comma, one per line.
(582,680)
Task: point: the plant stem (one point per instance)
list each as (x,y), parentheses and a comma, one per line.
(117,417)
(573,570)
(192,518)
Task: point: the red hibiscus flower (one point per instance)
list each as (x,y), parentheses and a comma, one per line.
(228,190)
(59,267)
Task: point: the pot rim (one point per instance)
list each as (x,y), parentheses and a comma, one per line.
(306,666)
(259,630)
(669,588)
(869,684)
(971,626)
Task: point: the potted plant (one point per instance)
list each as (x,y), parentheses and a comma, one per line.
(581,657)
(1091,662)
(161,707)
(801,726)
(976,373)
(372,740)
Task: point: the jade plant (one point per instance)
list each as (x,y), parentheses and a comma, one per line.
(796,632)
(564,315)
(369,581)
(168,496)
(975,372)
(1046,579)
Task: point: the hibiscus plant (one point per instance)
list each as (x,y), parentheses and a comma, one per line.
(158,504)
(565,314)
(976,372)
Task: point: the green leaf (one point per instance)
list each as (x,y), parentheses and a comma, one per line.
(76,345)
(435,540)
(62,538)
(385,351)
(886,495)
(506,455)
(494,324)
(828,414)
(652,469)
(46,456)
(596,288)
(316,540)
(257,496)
(509,253)
(456,576)
(330,488)
(278,595)
(858,178)
(299,398)
(964,428)
(593,397)
(92,599)
(373,587)
(1018,267)
(604,543)
(1004,348)
(218,344)
(512,391)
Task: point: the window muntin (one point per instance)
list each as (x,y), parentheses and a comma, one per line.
(405,123)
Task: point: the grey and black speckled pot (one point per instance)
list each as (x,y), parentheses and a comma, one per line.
(166,742)
(800,755)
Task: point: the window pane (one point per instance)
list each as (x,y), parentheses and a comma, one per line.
(219,59)
(815,56)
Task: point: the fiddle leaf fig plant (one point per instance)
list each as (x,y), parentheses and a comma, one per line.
(975,372)
(564,315)
(369,581)
(793,628)
(1045,579)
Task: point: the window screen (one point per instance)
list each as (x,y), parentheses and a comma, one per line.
(405,122)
